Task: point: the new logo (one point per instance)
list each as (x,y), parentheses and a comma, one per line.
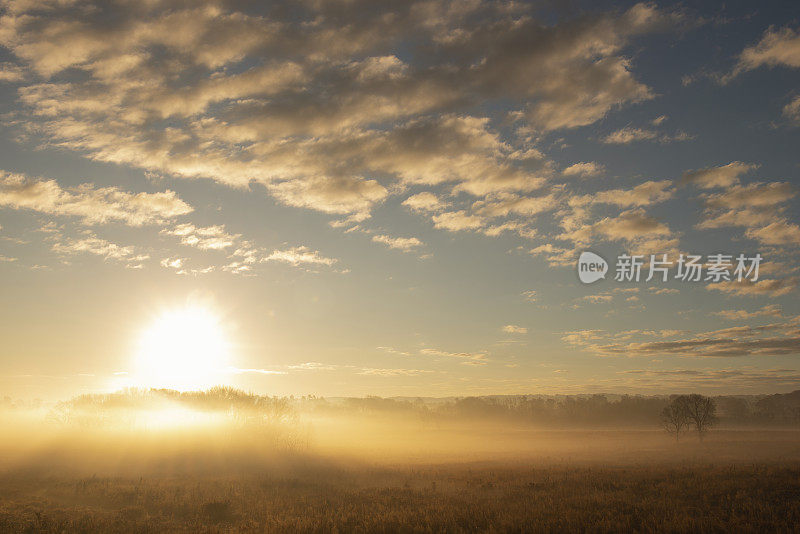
(591,267)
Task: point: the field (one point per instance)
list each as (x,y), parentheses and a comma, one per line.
(441,498)
(401,481)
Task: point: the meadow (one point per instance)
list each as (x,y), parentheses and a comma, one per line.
(238,463)
(463,497)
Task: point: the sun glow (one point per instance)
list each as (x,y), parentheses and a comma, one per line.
(183,349)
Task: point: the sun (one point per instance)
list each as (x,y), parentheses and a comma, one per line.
(182,349)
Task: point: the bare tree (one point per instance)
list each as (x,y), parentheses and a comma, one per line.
(701,412)
(674,417)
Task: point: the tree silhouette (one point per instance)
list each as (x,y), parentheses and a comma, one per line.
(675,417)
(701,411)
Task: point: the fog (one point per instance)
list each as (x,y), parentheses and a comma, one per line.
(228,432)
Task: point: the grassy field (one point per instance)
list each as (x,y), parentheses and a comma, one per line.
(420,498)
(165,469)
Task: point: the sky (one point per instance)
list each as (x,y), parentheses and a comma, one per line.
(390,198)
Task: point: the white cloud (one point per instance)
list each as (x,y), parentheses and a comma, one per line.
(514,329)
(456,221)
(629,135)
(405,244)
(644,194)
(556,256)
(723,176)
(340,195)
(204,238)
(777,47)
(792,109)
(91,244)
(173,263)
(584,169)
(299,256)
(769,310)
(371,371)
(92,205)
(777,287)
(631,225)
(11,73)
(425,201)
(326,116)
(773,339)
(753,195)
(779,232)
(475,356)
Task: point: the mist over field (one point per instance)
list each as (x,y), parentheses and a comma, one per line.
(224,430)
(223,460)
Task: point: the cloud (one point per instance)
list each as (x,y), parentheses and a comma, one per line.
(766,346)
(425,201)
(514,329)
(483,215)
(735,379)
(459,150)
(239,371)
(406,244)
(644,194)
(501,205)
(313,366)
(456,221)
(641,232)
(475,356)
(792,109)
(556,256)
(92,205)
(754,195)
(246,256)
(664,291)
(242,256)
(10,73)
(774,339)
(777,47)
(724,176)
(299,256)
(210,237)
(584,169)
(629,135)
(91,244)
(530,295)
(777,287)
(340,195)
(577,78)
(631,225)
(738,217)
(770,310)
(317,105)
(173,263)
(757,206)
(371,371)
(777,233)
(597,299)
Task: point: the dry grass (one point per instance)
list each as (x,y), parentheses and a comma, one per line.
(442,498)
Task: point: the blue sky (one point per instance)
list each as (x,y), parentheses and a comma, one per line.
(390,199)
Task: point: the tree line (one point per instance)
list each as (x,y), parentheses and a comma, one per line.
(582,410)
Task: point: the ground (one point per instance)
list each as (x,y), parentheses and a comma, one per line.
(710,486)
